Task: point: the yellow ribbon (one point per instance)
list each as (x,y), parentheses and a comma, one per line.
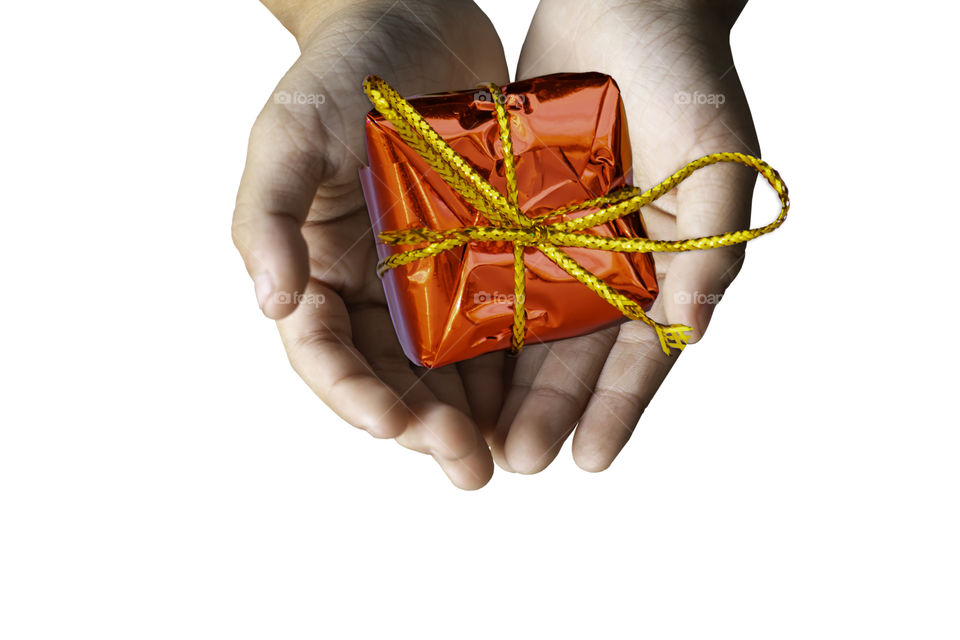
(509,224)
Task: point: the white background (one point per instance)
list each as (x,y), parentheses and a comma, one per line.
(165,474)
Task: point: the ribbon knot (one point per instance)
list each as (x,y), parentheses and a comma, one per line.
(508,224)
(535,235)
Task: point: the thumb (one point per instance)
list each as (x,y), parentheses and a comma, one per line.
(279,183)
(714,200)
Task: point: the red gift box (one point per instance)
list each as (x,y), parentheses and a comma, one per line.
(570,144)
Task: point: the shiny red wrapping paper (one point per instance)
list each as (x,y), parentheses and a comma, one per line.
(570,142)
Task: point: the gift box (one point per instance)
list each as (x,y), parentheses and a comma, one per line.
(570,144)
(504,215)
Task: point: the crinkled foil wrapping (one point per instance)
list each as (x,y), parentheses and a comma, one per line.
(570,140)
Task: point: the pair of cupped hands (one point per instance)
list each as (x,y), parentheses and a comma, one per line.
(302,227)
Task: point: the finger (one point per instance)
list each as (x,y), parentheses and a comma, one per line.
(714,200)
(555,400)
(446,385)
(524,370)
(440,428)
(474,469)
(483,382)
(631,376)
(319,341)
(284,167)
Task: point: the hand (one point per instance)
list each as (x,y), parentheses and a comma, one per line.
(304,233)
(683,100)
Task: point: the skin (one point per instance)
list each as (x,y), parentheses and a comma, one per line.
(598,386)
(303,230)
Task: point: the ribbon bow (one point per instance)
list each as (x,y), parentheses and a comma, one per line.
(509,224)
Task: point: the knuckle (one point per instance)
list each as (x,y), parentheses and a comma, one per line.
(238,233)
(610,397)
(554,393)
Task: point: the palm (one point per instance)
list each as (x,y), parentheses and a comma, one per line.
(671,75)
(340,337)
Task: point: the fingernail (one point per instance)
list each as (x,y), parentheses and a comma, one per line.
(263,285)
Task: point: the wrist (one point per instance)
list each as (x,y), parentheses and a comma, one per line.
(302,17)
(708,12)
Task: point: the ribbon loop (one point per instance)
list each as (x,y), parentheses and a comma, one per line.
(509,224)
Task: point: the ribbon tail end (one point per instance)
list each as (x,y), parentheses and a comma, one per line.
(674,336)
